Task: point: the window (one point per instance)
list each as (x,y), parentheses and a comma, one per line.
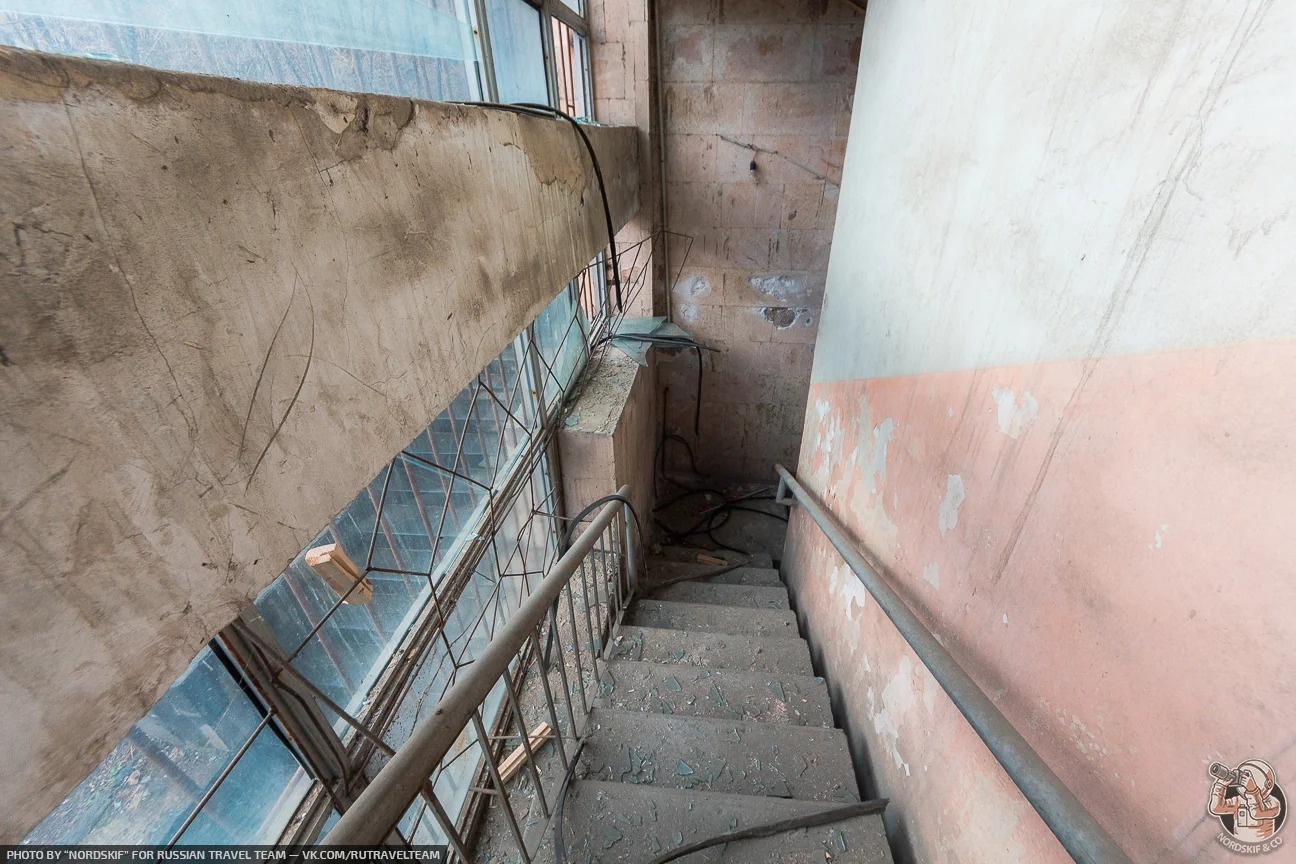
(422,505)
(423,49)
(572,68)
(149,785)
(517,47)
(451,535)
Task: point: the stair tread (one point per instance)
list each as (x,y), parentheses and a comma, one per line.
(664,571)
(713,650)
(664,688)
(621,822)
(749,596)
(710,618)
(688,555)
(715,754)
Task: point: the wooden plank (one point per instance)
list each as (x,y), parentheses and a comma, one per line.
(515,760)
(339,572)
(710,559)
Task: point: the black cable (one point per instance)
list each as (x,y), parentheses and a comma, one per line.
(579,517)
(559,842)
(538,110)
(689,493)
(607,208)
(675,342)
(708,523)
(678,342)
(697,404)
(778,516)
(667,339)
(547,654)
(809,820)
(687,446)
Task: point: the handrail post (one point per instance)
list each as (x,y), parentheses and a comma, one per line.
(631,555)
(1073,825)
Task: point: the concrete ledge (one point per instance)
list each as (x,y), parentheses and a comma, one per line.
(223,307)
(607,438)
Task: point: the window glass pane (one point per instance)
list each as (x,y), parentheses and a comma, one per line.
(437,490)
(571,63)
(420,514)
(419,48)
(518,51)
(143,791)
(560,340)
(256,800)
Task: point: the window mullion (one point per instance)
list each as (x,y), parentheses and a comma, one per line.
(481,30)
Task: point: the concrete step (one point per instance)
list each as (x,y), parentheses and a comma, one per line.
(793,700)
(717,755)
(712,650)
(609,823)
(746,596)
(665,571)
(688,554)
(713,619)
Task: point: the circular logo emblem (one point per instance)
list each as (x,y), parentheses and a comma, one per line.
(1249,804)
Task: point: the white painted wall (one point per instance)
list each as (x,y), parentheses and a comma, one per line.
(1060,180)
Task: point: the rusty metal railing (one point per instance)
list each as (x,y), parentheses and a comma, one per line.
(1073,825)
(581,598)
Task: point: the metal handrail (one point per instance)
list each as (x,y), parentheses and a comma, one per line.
(1073,825)
(380,807)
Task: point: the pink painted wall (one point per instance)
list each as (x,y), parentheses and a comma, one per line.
(1054,397)
(1115,572)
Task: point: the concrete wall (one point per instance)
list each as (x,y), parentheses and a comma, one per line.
(607,438)
(765,83)
(1054,397)
(223,307)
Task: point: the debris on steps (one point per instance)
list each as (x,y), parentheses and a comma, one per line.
(666,572)
(621,822)
(734,756)
(712,650)
(746,596)
(712,619)
(709,720)
(689,554)
(798,700)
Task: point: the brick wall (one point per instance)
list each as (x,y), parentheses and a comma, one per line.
(620,53)
(767,83)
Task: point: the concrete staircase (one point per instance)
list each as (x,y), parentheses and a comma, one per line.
(710,719)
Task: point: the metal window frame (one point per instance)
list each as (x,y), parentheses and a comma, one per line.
(549,10)
(316,745)
(384,697)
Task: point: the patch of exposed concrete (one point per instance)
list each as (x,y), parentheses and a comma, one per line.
(949,509)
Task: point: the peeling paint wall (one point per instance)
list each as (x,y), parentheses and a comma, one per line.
(757,100)
(1053,397)
(223,308)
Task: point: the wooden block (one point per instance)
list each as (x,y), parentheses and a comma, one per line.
(514,761)
(339,572)
(710,559)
